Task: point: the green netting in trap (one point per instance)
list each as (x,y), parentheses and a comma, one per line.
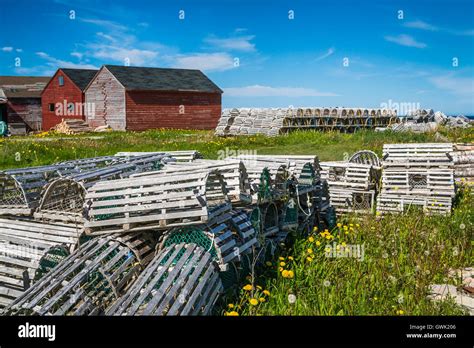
(230,277)
(50,260)
(264,189)
(189,235)
(107,216)
(290,213)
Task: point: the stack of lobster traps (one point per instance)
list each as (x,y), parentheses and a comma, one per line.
(417,175)
(275,121)
(353,184)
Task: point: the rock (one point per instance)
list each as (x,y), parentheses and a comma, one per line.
(441,291)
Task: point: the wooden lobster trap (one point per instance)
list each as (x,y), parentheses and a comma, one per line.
(89,280)
(155,202)
(63,199)
(234,173)
(417,175)
(28,250)
(182,279)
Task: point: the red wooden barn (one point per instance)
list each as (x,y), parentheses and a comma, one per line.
(63,96)
(20,102)
(138,98)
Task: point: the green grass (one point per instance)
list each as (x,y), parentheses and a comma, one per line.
(403,255)
(39,150)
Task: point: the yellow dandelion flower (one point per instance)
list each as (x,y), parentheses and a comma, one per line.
(284,273)
(281,269)
(345,228)
(281,258)
(310,251)
(282,264)
(230,305)
(318,243)
(309,259)
(339,225)
(357,225)
(232,314)
(291,274)
(248,287)
(261,299)
(266,292)
(311,239)
(253,301)
(290,258)
(315,228)
(343,244)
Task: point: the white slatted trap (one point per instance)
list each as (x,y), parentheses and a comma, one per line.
(417,175)
(20,189)
(180,156)
(352,186)
(234,173)
(155,202)
(182,279)
(63,198)
(28,250)
(89,280)
(227,237)
(463,158)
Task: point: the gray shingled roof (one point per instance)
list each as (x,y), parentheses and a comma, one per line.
(81,77)
(23,86)
(162,79)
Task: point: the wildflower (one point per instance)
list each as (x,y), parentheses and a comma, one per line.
(232,314)
(248,287)
(290,258)
(310,251)
(284,273)
(291,274)
(327,283)
(230,305)
(253,301)
(266,292)
(400,312)
(318,243)
(327,249)
(462,226)
(351,225)
(311,239)
(282,264)
(309,258)
(281,269)
(345,228)
(357,225)
(291,298)
(261,299)
(315,228)
(343,244)
(375,298)
(281,258)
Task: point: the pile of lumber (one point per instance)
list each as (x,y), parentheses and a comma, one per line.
(72,126)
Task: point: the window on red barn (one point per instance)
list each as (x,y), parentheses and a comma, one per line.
(61,80)
(51,107)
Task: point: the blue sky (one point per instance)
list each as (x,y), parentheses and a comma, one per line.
(281,61)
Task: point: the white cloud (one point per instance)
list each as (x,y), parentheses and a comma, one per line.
(405,40)
(241,43)
(204,61)
(136,56)
(461,86)
(7,49)
(105,36)
(19,50)
(110,25)
(58,63)
(329,52)
(268,91)
(420,25)
(78,55)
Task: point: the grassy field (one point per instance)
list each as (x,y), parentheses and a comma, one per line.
(402,255)
(49,148)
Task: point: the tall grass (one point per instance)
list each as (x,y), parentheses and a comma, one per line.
(48,148)
(403,255)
